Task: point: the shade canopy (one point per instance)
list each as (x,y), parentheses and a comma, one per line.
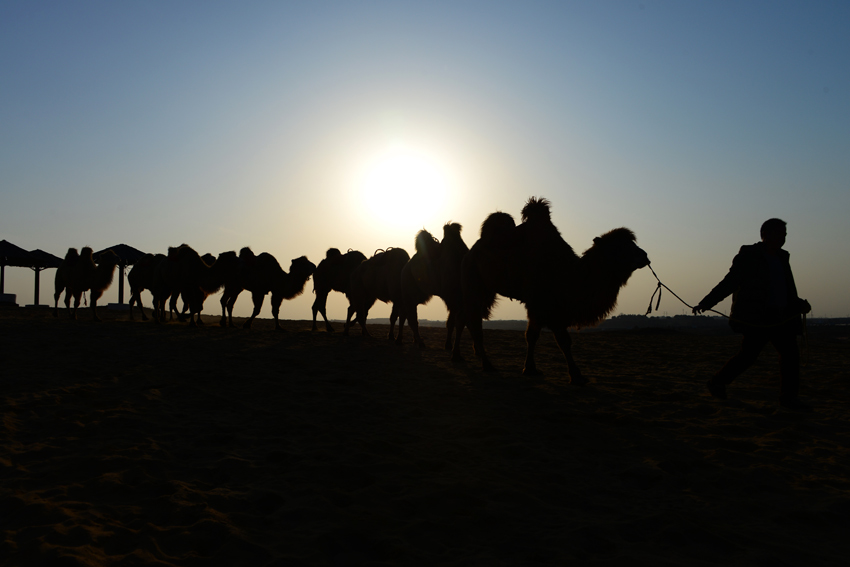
(12,255)
(42,259)
(38,260)
(126,254)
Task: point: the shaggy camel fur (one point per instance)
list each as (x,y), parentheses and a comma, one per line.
(79,273)
(333,274)
(533,264)
(140,278)
(260,275)
(196,279)
(379,277)
(435,270)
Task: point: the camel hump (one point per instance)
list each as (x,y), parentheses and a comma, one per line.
(497,224)
(208,259)
(247,257)
(333,254)
(452,229)
(355,256)
(425,243)
(72,255)
(536,209)
(621,233)
(86,253)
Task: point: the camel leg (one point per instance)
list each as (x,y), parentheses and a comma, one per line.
(348,319)
(562,337)
(223,302)
(362,315)
(77,297)
(317,307)
(56,300)
(532,333)
(450,327)
(276,301)
(172,307)
(200,307)
(141,305)
(95,295)
(476,329)
(458,321)
(258,304)
(394,314)
(159,307)
(413,323)
(320,306)
(230,305)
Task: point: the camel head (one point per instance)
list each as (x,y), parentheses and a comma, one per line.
(208,259)
(302,267)
(618,252)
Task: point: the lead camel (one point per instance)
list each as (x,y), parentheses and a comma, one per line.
(532,263)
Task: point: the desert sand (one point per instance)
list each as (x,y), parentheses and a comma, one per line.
(132,443)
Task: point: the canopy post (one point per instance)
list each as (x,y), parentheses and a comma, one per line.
(121,285)
(2,278)
(37,272)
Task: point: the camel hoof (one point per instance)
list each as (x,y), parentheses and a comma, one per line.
(531,372)
(421,344)
(457,357)
(330,329)
(488,367)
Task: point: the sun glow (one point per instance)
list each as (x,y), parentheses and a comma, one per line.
(403,188)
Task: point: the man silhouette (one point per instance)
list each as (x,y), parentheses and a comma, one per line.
(765,309)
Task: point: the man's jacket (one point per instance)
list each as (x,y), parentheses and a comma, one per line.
(749,282)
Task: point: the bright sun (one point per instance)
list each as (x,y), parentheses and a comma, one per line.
(403,187)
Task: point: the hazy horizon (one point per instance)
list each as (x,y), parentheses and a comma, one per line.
(294,128)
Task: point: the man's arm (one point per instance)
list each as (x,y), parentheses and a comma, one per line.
(725,288)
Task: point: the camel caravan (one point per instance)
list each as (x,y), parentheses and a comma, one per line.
(529,262)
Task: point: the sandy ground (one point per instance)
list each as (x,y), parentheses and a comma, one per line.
(131,443)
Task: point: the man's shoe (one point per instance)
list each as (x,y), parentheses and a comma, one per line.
(717,390)
(795,404)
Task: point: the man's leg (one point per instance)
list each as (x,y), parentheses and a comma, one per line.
(751,346)
(789,365)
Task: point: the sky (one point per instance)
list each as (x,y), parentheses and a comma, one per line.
(294,127)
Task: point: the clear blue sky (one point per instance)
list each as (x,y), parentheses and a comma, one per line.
(277,125)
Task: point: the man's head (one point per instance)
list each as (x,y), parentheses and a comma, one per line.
(773,233)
